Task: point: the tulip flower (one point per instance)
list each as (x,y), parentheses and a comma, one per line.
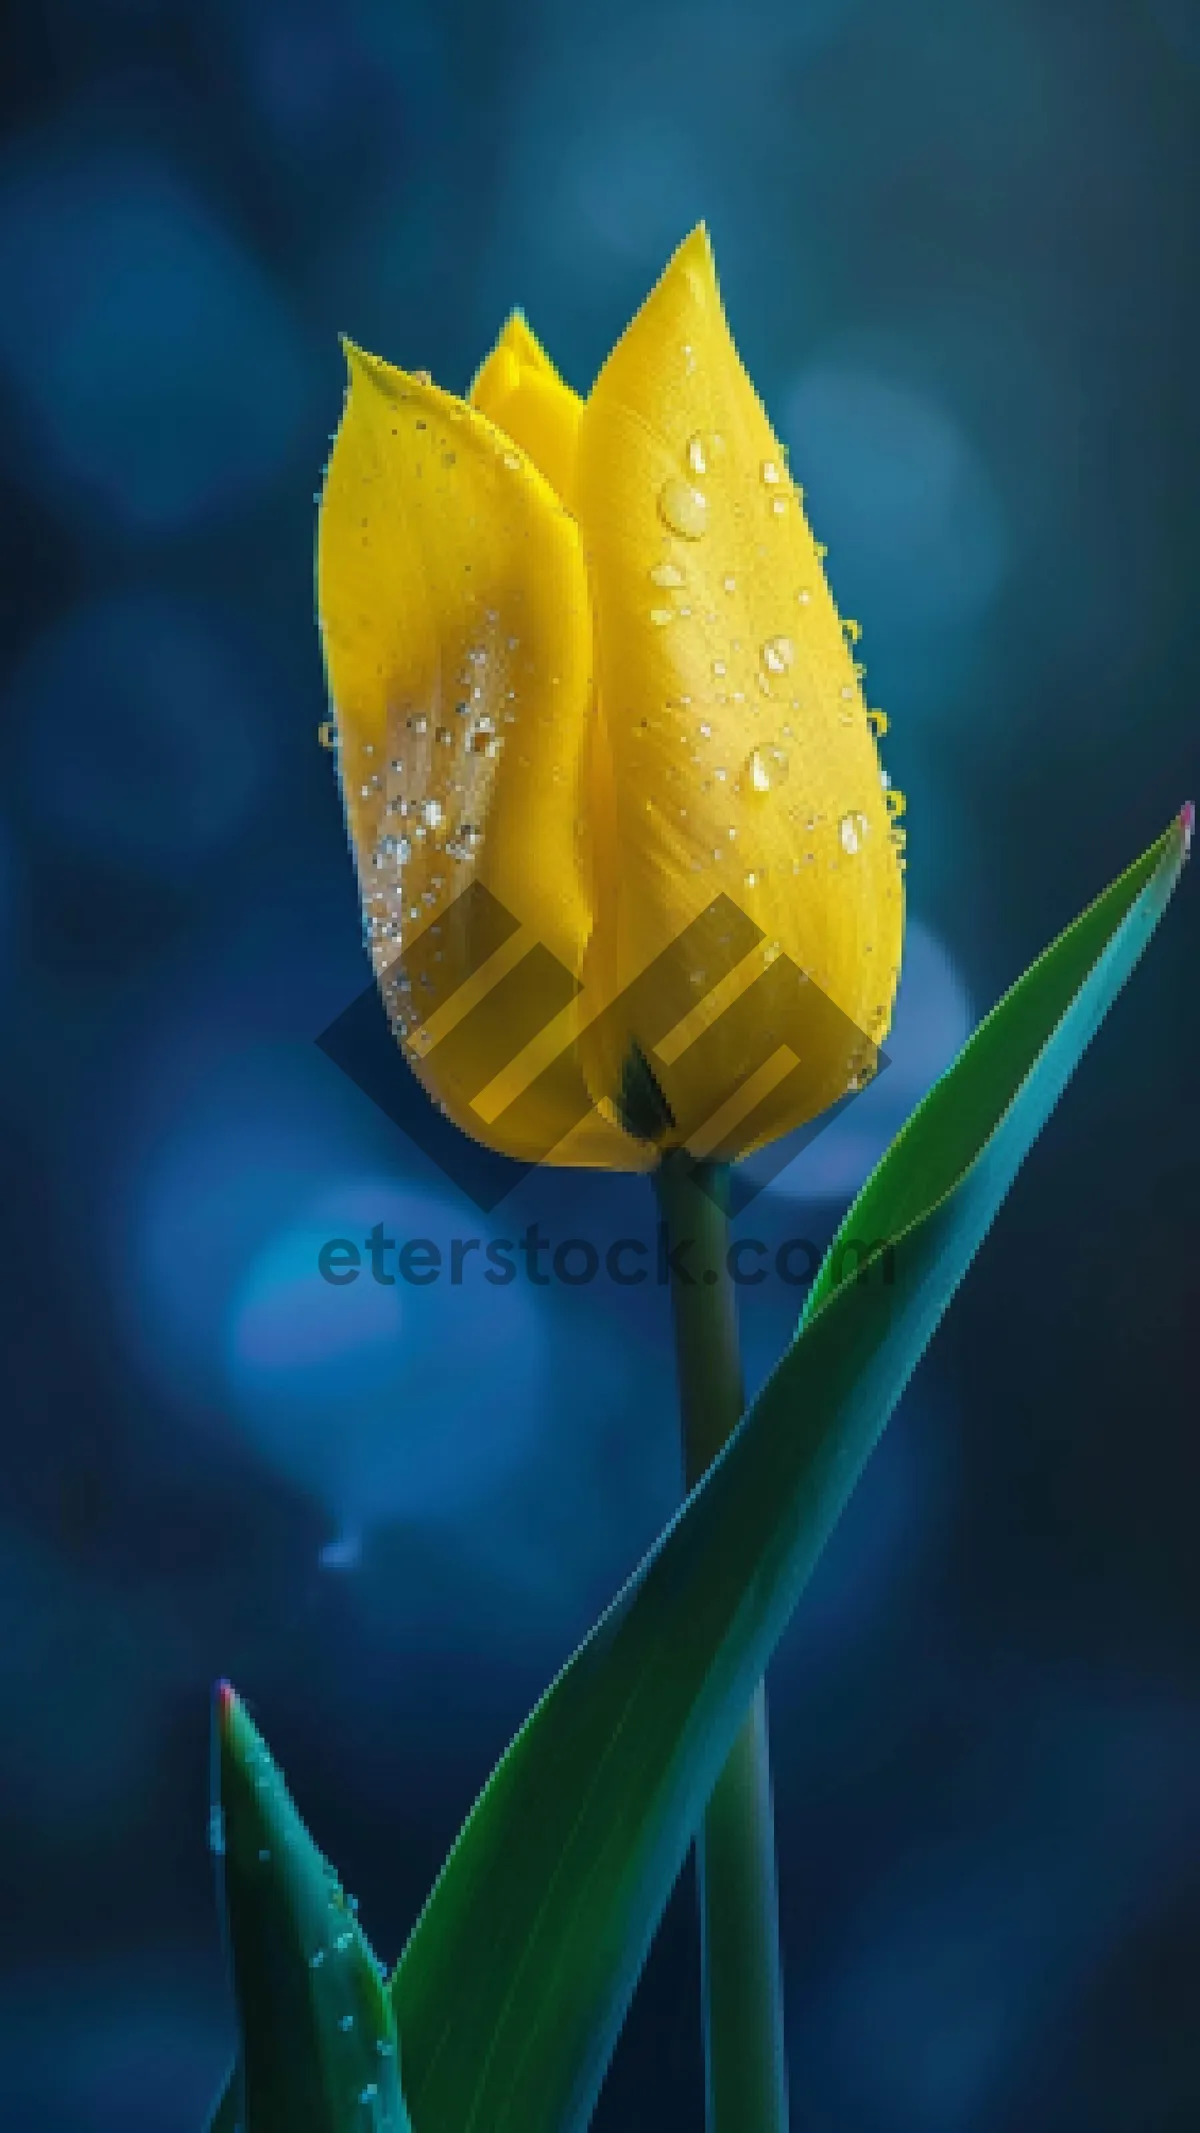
(583,657)
(630,869)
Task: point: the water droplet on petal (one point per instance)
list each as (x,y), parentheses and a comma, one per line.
(766,768)
(852,829)
(778,654)
(327,733)
(770,472)
(660,616)
(878,722)
(666,574)
(683,508)
(431,813)
(697,457)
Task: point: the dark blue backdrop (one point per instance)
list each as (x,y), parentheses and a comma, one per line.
(959,247)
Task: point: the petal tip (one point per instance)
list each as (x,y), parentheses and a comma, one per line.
(695,259)
(1187,822)
(356,358)
(362,368)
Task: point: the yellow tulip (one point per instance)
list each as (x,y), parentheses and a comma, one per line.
(631,874)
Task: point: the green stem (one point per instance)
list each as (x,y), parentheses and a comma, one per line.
(745,2066)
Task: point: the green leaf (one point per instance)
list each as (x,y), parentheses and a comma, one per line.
(318,2041)
(512,1990)
(227,2113)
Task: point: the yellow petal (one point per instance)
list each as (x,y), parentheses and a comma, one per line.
(519,389)
(743,763)
(454,609)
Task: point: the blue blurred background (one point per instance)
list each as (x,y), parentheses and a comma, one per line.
(958,246)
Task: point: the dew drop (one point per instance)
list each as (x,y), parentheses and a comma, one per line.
(327,733)
(719,669)
(513,461)
(666,574)
(444,737)
(730,583)
(770,473)
(766,768)
(431,813)
(778,654)
(660,616)
(878,722)
(705,730)
(683,508)
(852,829)
(697,456)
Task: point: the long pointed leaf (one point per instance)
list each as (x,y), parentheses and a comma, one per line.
(318,2042)
(513,1987)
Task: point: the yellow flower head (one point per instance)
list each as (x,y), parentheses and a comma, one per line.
(630,872)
